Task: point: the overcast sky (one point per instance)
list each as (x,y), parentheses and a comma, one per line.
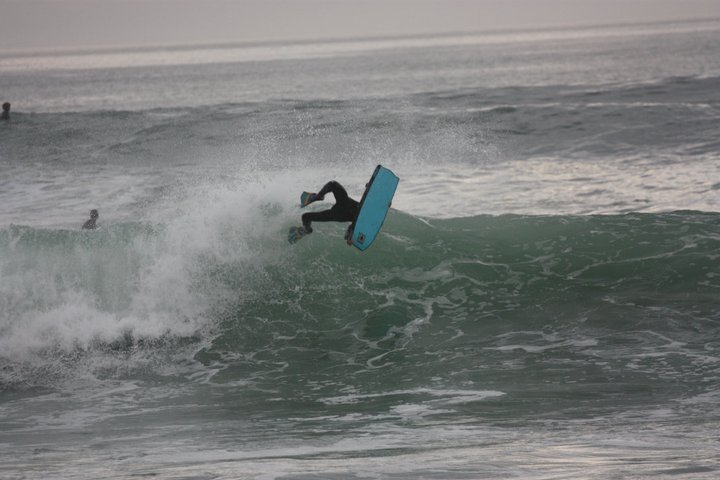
(41,24)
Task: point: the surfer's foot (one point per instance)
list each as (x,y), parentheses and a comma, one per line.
(296,233)
(307,198)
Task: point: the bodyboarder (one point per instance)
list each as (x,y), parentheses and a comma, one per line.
(344,210)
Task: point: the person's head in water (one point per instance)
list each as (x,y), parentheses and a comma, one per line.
(6,111)
(92,223)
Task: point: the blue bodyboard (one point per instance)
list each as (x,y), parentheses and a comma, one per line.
(374,207)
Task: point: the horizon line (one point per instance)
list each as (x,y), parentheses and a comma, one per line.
(222,44)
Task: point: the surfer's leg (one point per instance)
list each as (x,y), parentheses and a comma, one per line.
(336,189)
(324,216)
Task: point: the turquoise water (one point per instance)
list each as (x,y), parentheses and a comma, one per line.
(455,337)
(541,303)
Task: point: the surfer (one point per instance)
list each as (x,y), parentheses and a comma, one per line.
(91,223)
(6,111)
(344,210)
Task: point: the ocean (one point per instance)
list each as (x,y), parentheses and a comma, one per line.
(542,303)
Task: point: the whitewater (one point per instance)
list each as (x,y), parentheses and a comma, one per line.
(541,303)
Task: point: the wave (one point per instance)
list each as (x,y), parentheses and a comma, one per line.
(134,299)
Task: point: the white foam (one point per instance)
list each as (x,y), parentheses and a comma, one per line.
(450,395)
(59,301)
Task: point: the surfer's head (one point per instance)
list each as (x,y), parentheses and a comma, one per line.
(6,107)
(94,213)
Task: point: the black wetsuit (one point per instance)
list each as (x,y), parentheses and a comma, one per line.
(90,224)
(344,210)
